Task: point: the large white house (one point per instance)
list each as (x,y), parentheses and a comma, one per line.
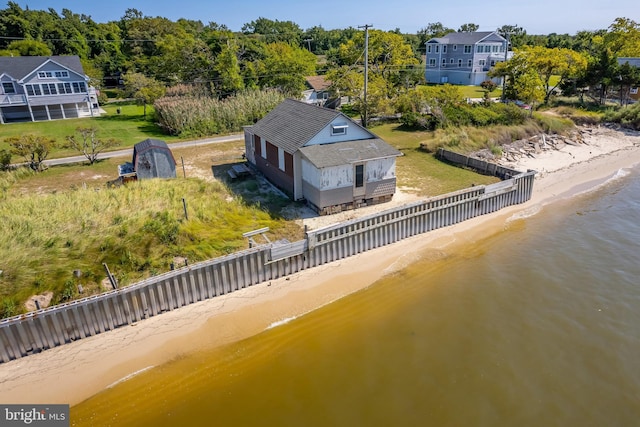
(464,58)
(38,88)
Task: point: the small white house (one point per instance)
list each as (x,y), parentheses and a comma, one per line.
(322,156)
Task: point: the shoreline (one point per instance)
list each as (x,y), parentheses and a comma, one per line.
(74,372)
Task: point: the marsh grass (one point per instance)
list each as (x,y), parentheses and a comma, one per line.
(136,230)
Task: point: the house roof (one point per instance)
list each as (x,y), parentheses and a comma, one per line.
(149,144)
(293,123)
(19,67)
(318,83)
(327,155)
(464,37)
(634,62)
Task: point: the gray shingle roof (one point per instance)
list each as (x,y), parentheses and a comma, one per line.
(19,67)
(293,123)
(463,38)
(341,153)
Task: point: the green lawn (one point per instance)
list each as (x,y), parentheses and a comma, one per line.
(129,127)
(421,171)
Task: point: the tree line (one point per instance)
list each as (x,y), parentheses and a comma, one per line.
(150,54)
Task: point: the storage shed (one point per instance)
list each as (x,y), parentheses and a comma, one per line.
(152,158)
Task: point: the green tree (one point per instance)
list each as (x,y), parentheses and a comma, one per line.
(28,48)
(623,38)
(145,90)
(530,88)
(274,30)
(227,68)
(86,141)
(33,148)
(547,63)
(468,28)
(285,67)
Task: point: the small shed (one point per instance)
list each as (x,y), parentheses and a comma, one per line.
(152,158)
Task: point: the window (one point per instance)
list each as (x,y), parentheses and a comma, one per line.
(467,48)
(428,48)
(451,62)
(479,48)
(482,62)
(437,49)
(493,63)
(470,63)
(444,49)
(45,90)
(45,74)
(281,159)
(61,74)
(459,63)
(263,148)
(8,87)
(432,62)
(359,176)
(494,48)
(51,87)
(455,47)
(79,87)
(444,62)
(339,129)
(487,49)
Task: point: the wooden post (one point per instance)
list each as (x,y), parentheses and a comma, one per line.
(184,205)
(184,172)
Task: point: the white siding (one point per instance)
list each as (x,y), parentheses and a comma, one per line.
(281,159)
(354,132)
(263,147)
(310,173)
(381,169)
(327,178)
(336,177)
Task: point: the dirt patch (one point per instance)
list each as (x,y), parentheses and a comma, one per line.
(36,302)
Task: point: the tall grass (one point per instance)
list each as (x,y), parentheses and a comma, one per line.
(197,115)
(136,230)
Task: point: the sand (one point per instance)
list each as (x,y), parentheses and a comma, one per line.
(74,372)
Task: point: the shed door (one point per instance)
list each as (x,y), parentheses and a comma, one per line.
(359,183)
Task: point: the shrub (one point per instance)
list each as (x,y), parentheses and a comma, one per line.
(627,117)
(5,160)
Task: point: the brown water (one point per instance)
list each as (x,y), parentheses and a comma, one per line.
(537,326)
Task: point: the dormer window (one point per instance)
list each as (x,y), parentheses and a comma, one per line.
(53,74)
(339,129)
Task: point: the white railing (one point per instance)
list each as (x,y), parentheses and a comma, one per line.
(12,99)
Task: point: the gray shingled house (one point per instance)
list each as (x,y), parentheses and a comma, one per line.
(322,156)
(37,88)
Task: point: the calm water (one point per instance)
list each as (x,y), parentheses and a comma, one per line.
(538,325)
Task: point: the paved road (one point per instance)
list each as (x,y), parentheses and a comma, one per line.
(129,151)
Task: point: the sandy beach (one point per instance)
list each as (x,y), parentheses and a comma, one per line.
(74,372)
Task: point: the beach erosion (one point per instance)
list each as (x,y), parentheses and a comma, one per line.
(72,373)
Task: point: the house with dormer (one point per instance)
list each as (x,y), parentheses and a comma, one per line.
(464,58)
(322,156)
(39,88)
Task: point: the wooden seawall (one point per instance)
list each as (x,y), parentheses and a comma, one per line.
(40,330)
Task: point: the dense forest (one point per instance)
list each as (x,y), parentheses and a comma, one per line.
(153,55)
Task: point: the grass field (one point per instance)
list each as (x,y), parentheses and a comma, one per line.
(129,127)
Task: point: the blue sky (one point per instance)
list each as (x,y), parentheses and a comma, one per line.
(535,16)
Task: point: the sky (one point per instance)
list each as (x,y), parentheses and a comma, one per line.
(535,16)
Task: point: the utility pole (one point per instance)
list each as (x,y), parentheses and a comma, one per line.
(308,43)
(506,58)
(366,71)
